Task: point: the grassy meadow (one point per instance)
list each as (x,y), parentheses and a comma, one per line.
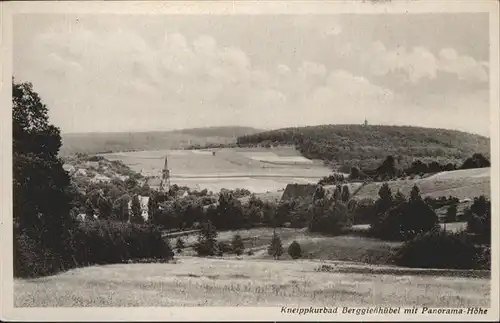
(462,184)
(191,281)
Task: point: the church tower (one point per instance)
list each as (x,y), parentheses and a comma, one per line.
(165,178)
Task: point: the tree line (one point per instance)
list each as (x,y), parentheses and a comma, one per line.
(390,168)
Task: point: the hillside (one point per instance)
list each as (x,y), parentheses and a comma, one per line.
(463,184)
(131,141)
(367,146)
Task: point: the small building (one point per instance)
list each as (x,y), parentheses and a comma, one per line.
(80,172)
(69,168)
(294,191)
(143,200)
(100,179)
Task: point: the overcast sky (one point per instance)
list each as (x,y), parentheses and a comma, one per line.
(138,73)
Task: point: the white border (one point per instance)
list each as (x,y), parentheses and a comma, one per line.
(8,9)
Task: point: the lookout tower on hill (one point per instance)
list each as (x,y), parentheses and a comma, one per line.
(165,177)
(365,123)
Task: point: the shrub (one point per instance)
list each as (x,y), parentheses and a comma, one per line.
(364,211)
(237,245)
(31,260)
(404,219)
(479,219)
(223,248)
(207,243)
(179,245)
(440,249)
(451,214)
(275,248)
(294,250)
(104,242)
(330,217)
(92,242)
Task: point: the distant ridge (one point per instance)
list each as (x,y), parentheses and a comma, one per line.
(100,142)
(367,145)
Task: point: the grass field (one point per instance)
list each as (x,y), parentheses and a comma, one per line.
(191,281)
(355,247)
(461,184)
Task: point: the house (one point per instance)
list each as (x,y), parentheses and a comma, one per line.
(69,168)
(143,200)
(100,179)
(144,206)
(294,191)
(80,172)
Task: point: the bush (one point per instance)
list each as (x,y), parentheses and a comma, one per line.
(405,218)
(94,242)
(223,248)
(451,214)
(441,249)
(31,260)
(275,248)
(364,211)
(103,242)
(237,245)
(330,217)
(179,245)
(479,219)
(294,250)
(388,225)
(207,243)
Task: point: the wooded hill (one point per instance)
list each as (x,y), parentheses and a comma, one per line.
(101,142)
(367,146)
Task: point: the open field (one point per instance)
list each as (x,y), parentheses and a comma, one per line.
(256,169)
(354,247)
(462,184)
(191,281)
(452,227)
(269,170)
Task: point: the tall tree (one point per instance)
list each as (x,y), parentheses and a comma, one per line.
(451,213)
(418,216)
(346,195)
(136,209)
(152,207)
(479,218)
(41,204)
(120,208)
(319,193)
(105,207)
(337,194)
(385,201)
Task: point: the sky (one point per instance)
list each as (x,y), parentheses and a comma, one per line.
(110,73)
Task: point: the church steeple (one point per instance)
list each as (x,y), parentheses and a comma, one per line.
(366,122)
(165,178)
